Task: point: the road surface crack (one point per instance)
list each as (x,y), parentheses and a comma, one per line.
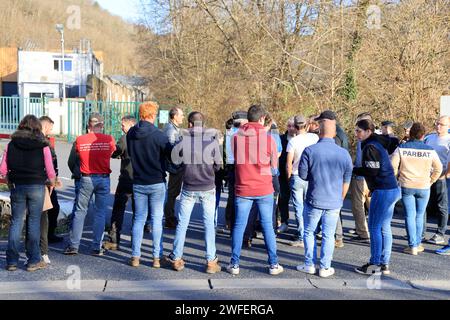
(210,284)
(310,282)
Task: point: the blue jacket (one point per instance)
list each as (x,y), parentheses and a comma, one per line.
(149,150)
(326,167)
(376,165)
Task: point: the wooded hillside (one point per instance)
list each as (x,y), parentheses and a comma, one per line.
(390,58)
(30,24)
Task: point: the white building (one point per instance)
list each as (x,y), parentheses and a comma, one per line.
(40,73)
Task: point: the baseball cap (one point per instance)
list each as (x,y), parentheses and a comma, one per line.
(96,117)
(327,114)
(239,115)
(299,120)
(388,123)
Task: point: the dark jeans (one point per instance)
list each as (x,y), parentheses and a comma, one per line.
(123,193)
(438,205)
(253,222)
(173,190)
(25,200)
(283,199)
(52,214)
(230,210)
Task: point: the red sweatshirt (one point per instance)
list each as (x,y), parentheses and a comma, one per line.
(255,153)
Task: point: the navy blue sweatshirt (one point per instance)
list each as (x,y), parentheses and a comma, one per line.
(376,165)
(149,150)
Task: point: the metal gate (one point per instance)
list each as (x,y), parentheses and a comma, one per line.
(13,109)
(112,111)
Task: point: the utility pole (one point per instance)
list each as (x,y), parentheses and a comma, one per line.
(60,29)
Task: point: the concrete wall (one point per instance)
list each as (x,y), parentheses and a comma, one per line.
(59,113)
(50,88)
(107,89)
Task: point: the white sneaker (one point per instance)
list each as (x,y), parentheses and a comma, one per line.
(325,273)
(275,269)
(306,269)
(46,259)
(233,269)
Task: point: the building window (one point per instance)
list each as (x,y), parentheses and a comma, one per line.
(67,65)
(35,95)
(57,65)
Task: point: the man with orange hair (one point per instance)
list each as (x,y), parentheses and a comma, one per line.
(149,150)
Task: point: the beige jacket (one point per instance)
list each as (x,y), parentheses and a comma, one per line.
(416,165)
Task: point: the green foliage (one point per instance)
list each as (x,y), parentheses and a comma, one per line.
(350,90)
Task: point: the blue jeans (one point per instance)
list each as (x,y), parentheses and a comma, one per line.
(415,203)
(312,217)
(147,197)
(380,217)
(265,207)
(100,187)
(298,189)
(207,200)
(76,185)
(25,198)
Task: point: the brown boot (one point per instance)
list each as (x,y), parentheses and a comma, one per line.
(36,266)
(176,265)
(134,262)
(110,246)
(213,266)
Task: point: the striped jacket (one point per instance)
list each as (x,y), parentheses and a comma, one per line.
(416,164)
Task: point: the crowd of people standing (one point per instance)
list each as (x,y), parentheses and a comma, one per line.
(263,171)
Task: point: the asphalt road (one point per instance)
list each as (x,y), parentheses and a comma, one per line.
(426,276)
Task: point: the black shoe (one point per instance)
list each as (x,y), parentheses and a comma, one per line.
(70,251)
(360,239)
(368,269)
(55,239)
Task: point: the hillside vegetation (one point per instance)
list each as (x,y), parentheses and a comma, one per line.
(30,24)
